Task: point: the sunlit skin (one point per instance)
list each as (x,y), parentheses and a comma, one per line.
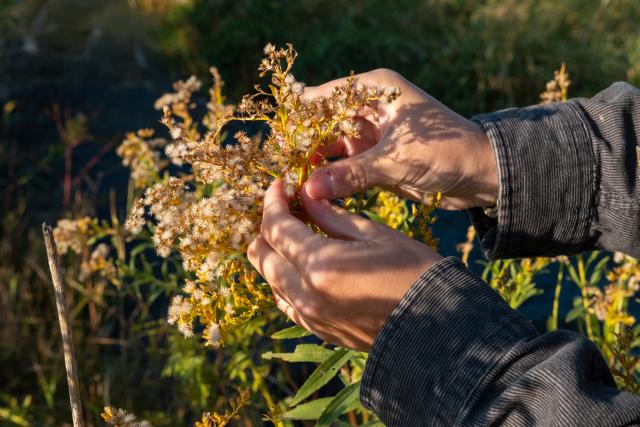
(343,287)
(414,146)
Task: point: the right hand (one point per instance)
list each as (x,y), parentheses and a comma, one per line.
(414,146)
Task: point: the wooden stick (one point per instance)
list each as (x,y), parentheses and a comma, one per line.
(65,327)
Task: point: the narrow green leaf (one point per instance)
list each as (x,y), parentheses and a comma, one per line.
(308,411)
(513,271)
(372,201)
(292,332)
(576,312)
(373,216)
(574,274)
(360,360)
(323,374)
(139,248)
(598,270)
(592,258)
(302,353)
(345,401)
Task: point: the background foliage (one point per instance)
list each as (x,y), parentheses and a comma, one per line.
(75,75)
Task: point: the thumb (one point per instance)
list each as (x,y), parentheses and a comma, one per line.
(344,177)
(339,223)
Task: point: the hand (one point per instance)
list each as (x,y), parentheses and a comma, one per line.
(341,287)
(414,146)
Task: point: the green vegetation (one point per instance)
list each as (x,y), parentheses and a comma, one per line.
(72,82)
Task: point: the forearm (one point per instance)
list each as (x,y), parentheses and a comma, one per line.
(453,353)
(569,177)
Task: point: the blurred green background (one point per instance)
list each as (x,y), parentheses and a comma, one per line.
(90,70)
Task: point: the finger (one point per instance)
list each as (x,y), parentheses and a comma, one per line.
(347,176)
(325,89)
(347,147)
(283,278)
(338,222)
(335,149)
(295,317)
(290,312)
(287,235)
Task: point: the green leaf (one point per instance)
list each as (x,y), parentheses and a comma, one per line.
(360,360)
(323,374)
(372,201)
(139,249)
(308,411)
(292,332)
(598,270)
(575,313)
(302,353)
(592,258)
(345,401)
(574,274)
(373,216)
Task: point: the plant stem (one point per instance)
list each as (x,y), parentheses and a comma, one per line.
(65,327)
(556,299)
(585,296)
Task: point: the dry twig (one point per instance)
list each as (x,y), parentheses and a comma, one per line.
(65,327)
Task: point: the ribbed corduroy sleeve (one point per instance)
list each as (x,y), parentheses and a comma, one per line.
(569,177)
(453,353)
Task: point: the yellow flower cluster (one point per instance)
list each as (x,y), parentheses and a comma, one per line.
(391,209)
(212,213)
(422,219)
(557,90)
(73,234)
(77,236)
(139,152)
(99,263)
(121,418)
(626,363)
(413,220)
(222,420)
(610,306)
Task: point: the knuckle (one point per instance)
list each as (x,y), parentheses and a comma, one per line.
(386,74)
(252,255)
(271,230)
(312,311)
(264,227)
(319,279)
(358,175)
(320,272)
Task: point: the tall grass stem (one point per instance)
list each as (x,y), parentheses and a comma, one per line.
(65,327)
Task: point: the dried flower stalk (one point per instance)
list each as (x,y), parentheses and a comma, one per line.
(211,215)
(65,327)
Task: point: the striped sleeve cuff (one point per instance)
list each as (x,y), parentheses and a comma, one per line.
(546,169)
(448,331)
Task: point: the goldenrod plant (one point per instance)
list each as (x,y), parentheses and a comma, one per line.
(196,197)
(122,51)
(211,212)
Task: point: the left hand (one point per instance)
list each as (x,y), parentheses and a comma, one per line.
(341,287)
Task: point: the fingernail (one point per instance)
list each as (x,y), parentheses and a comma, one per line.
(321,185)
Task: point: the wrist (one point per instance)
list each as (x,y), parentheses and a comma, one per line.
(485,171)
